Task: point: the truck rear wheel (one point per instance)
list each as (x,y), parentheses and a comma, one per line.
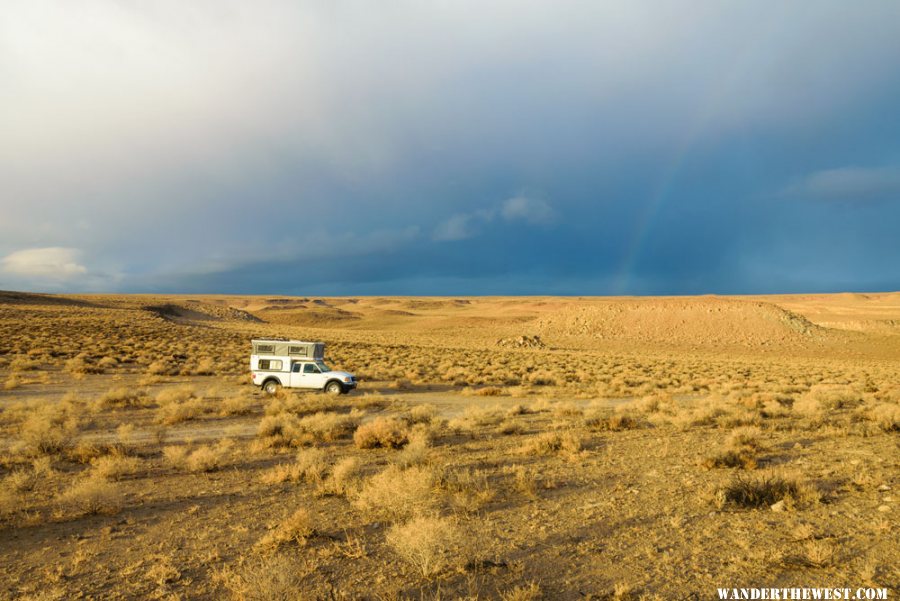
(271,387)
(334,387)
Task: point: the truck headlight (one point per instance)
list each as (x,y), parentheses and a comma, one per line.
(348,379)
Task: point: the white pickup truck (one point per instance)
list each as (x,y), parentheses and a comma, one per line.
(296,364)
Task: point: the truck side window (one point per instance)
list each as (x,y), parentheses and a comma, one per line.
(310,368)
(296,368)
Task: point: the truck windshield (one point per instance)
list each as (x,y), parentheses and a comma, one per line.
(322,366)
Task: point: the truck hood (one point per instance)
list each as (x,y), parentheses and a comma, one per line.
(339,374)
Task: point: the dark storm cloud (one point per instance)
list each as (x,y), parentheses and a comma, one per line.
(519,147)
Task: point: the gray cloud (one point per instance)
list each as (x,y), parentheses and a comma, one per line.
(849,184)
(531,210)
(518,208)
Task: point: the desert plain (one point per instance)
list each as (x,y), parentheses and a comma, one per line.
(511,448)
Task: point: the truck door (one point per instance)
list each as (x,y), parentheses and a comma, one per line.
(312,376)
(296,375)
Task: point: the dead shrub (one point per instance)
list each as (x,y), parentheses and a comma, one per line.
(81,365)
(523,592)
(567,409)
(469,490)
(23,363)
(397,493)
(825,398)
(20,481)
(886,416)
(297,528)
(206,367)
(89,496)
(745,438)
(48,432)
(309,466)
(731,458)
(484,391)
(270,578)
(206,458)
(111,467)
(425,543)
(546,443)
(763,491)
(236,405)
(422,414)
(344,478)
(176,394)
(416,450)
(330,426)
(601,420)
(509,427)
(121,397)
(383,432)
(178,412)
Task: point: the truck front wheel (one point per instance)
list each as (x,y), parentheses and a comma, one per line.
(271,387)
(334,387)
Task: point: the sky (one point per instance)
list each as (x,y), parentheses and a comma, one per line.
(339,147)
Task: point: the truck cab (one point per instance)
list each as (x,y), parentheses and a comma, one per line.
(296,364)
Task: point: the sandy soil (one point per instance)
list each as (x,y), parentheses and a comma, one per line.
(557,448)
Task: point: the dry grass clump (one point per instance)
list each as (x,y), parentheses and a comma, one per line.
(764,491)
(469,490)
(113,467)
(425,543)
(474,417)
(286,429)
(178,412)
(280,425)
(269,578)
(121,397)
(344,479)
(416,450)
(48,431)
(91,495)
(20,481)
(422,414)
(241,404)
(886,416)
(747,437)
(161,368)
(730,458)
(567,409)
(523,592)
(205,458)
(297,529)
(484,391)
(825,398)
(601,419)
(23,363)
(386,432)
(328,426)
(309,465)
(509,427)
(547,443)
(179,404)
(176,394)
(397,493)
(81,365)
